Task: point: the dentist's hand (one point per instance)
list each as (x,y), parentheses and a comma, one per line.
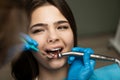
(28,43)
(81,68)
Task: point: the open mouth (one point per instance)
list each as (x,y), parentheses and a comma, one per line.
(53,53)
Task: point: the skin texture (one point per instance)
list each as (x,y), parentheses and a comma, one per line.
(51,30)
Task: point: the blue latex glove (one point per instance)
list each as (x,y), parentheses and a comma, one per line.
(28,43)
(109,72)
(81,68)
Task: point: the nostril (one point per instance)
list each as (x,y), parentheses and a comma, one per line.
(52,40)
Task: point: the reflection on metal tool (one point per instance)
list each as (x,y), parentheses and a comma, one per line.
(93,56)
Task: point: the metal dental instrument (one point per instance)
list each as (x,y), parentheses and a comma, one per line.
(93,56)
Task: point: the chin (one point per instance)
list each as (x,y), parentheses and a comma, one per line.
(57,63)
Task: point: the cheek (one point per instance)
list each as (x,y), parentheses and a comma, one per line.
(68,39)
(41,39)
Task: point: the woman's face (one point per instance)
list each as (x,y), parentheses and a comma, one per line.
(53,33)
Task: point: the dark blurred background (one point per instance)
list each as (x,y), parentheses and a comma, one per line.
(95,17)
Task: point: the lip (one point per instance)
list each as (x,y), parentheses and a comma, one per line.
(53,55)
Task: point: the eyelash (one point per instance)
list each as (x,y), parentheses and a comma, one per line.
(37,30)
(63,27)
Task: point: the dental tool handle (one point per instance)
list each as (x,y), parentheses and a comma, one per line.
(93,56)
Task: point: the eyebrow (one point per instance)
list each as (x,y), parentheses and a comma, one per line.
(60,22)
(44,24)
(38,24)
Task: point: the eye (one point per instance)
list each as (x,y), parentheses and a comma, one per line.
(38,31)
(63,27)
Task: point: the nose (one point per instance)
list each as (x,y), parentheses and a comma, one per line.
(53,37)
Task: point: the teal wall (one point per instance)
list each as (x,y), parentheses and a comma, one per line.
(95,17)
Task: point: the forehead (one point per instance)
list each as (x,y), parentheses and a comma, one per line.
(46,10)
(47,13)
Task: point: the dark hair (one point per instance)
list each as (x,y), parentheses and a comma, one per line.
(26,67)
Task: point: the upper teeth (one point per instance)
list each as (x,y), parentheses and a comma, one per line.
(55,49)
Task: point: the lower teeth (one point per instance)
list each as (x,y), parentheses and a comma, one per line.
(51,54)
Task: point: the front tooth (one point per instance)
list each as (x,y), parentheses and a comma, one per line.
(55,49)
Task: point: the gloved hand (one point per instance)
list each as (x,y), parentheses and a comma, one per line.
(81,68)
(109,72)
(28,43)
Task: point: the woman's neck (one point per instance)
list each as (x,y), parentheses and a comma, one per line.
(56,74)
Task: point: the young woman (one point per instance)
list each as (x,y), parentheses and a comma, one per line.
(52,25)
